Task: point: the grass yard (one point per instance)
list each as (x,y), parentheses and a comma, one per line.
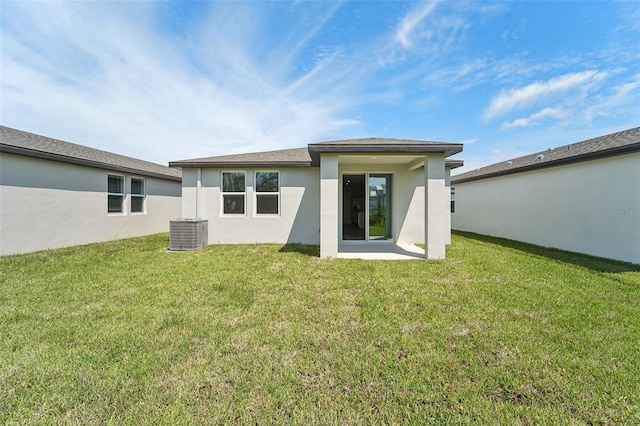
(499,333)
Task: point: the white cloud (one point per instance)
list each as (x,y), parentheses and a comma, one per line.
(536,118)
(346,122)
(469,141)
(622,94)
(620,101)
(125,86)
(509,100)
(411,21)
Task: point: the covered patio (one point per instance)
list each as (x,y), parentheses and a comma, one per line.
(380,197)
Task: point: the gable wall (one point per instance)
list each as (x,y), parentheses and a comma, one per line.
(591,207)
(48,204)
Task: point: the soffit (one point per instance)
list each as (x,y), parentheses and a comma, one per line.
(379,159)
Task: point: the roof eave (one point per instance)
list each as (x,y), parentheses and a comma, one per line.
(236,164)
(82,162)
(448,149)
(453,164)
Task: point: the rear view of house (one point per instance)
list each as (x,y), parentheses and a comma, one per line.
(373,194)
(582,197)
(58,194)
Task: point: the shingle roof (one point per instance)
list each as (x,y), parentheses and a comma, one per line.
(454,164)
(618,143)
(284,157)
(304,157)
(24,143)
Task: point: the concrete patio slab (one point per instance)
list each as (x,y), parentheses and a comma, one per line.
(379,251)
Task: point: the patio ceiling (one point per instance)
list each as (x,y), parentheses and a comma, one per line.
(379,159)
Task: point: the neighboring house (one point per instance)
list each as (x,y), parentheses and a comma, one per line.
(367,193)
(58,194)
(583,197)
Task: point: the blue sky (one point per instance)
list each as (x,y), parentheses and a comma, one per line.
(168,81)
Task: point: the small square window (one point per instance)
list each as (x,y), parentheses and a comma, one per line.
(233,204)
(233,182)
(267,204)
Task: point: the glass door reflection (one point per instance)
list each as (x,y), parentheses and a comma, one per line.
(379,195)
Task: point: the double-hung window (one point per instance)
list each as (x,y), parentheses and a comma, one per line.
(115,194)
(267,193)
(137,195)
(233,193)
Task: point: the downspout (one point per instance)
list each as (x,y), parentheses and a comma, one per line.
(198,187)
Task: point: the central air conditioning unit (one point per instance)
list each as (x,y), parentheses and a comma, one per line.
(188,234)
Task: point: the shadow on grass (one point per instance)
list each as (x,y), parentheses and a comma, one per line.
(599,264)
(307,250)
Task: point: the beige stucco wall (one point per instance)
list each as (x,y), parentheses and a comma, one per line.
(298,221)
(48,204)
(330,205)
(591,207)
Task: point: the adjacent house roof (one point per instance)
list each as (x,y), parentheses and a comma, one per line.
(310,156)
(454,164)
(24,143)
(618,143)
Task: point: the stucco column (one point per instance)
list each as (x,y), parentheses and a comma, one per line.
(435,207)
(329,205)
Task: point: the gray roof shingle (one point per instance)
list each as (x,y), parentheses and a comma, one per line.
(618,143)
(285,157)
(305,157)
(24,143)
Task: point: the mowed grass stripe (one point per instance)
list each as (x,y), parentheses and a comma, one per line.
(500,332)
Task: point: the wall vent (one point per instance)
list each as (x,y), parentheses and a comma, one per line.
(188,234)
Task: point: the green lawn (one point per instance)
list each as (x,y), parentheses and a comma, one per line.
(499,333)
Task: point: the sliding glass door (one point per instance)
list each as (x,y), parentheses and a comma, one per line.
(380,207)
(366,207)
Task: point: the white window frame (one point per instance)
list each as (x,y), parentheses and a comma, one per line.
(256,193)
(133,195)
(117,194)
(223,193)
